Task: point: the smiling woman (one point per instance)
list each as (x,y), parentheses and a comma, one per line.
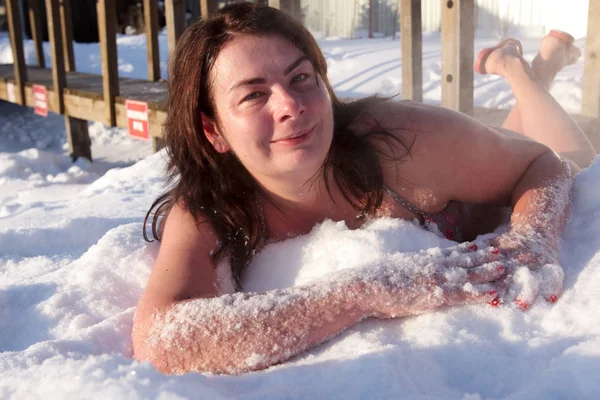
(279,120)
(260,149)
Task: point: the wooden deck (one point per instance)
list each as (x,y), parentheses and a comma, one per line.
(84,100)
(84,95)
(87,97)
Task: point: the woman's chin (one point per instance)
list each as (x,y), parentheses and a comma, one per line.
(302,163)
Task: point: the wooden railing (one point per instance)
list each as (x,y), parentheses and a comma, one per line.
(86,97)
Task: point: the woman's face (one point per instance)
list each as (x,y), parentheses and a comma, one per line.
(273,111)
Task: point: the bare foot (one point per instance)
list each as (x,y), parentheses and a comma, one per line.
(496,61)
(554,55)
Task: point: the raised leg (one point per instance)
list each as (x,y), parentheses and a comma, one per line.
(541,117)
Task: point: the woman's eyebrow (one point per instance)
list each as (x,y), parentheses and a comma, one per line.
(253,81)
(293,65)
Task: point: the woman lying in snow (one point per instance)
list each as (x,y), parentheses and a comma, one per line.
(261,149)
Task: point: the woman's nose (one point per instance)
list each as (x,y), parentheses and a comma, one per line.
(288,105)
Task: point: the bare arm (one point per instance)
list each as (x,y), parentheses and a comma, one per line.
(541,202)
(458,158)
(183,323)
(541,199)
(246,331)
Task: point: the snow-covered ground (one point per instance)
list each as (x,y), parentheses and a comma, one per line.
(73,264)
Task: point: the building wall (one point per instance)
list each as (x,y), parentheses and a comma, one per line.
(349,18)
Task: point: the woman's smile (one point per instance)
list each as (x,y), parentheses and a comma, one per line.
(295,138)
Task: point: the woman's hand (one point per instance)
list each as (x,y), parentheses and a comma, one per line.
(533,266)
(411,283)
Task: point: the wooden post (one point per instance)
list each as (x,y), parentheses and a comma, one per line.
(58,66)
(370,19)
(207,7)
(16,39)
(412,50)
(78,136)
(175,16)
(458,42)
(296,10)
(108,49)
(275,4)
(66,29)
(591,74)
(151,22)
(157,144)
(35,22)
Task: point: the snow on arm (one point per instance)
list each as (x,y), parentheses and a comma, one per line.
(240,332)
(541,201)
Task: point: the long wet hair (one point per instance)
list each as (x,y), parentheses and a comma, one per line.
(215,187)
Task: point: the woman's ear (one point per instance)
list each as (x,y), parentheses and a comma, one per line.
(214,136)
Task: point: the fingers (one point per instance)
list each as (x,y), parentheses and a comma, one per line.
(486,273)
(469,255)
(552,282)
(470,294)
(525,288)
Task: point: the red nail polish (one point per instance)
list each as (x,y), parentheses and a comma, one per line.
(500,268)
(495,302)
(523,305)
(552,299)
(492,292)
(473,247)
(495,251)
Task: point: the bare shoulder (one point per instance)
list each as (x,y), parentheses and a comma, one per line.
(184,268)
(453,156)
(399,116)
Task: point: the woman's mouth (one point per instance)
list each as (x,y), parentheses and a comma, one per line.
(295,138)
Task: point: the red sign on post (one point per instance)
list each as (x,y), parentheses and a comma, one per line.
(137,119)
(40,100)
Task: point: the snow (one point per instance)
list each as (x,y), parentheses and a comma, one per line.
(73,264)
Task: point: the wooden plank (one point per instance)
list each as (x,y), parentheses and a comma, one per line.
(458,42)
(412,50)
(158,144)
(58,66)
(590,105)
(66,29)
(78,137)
(90,85)
(35,22)
(275,4)
(208,8)
(151,22)
(51,98)
(295,9)
(175,16)
(85,108)
(16,39)
(108,49)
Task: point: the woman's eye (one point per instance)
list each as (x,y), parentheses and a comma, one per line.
(252,96)
(299,78)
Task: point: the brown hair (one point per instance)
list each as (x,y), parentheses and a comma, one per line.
(215,187)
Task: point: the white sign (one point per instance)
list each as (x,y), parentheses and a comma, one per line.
(10,89)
